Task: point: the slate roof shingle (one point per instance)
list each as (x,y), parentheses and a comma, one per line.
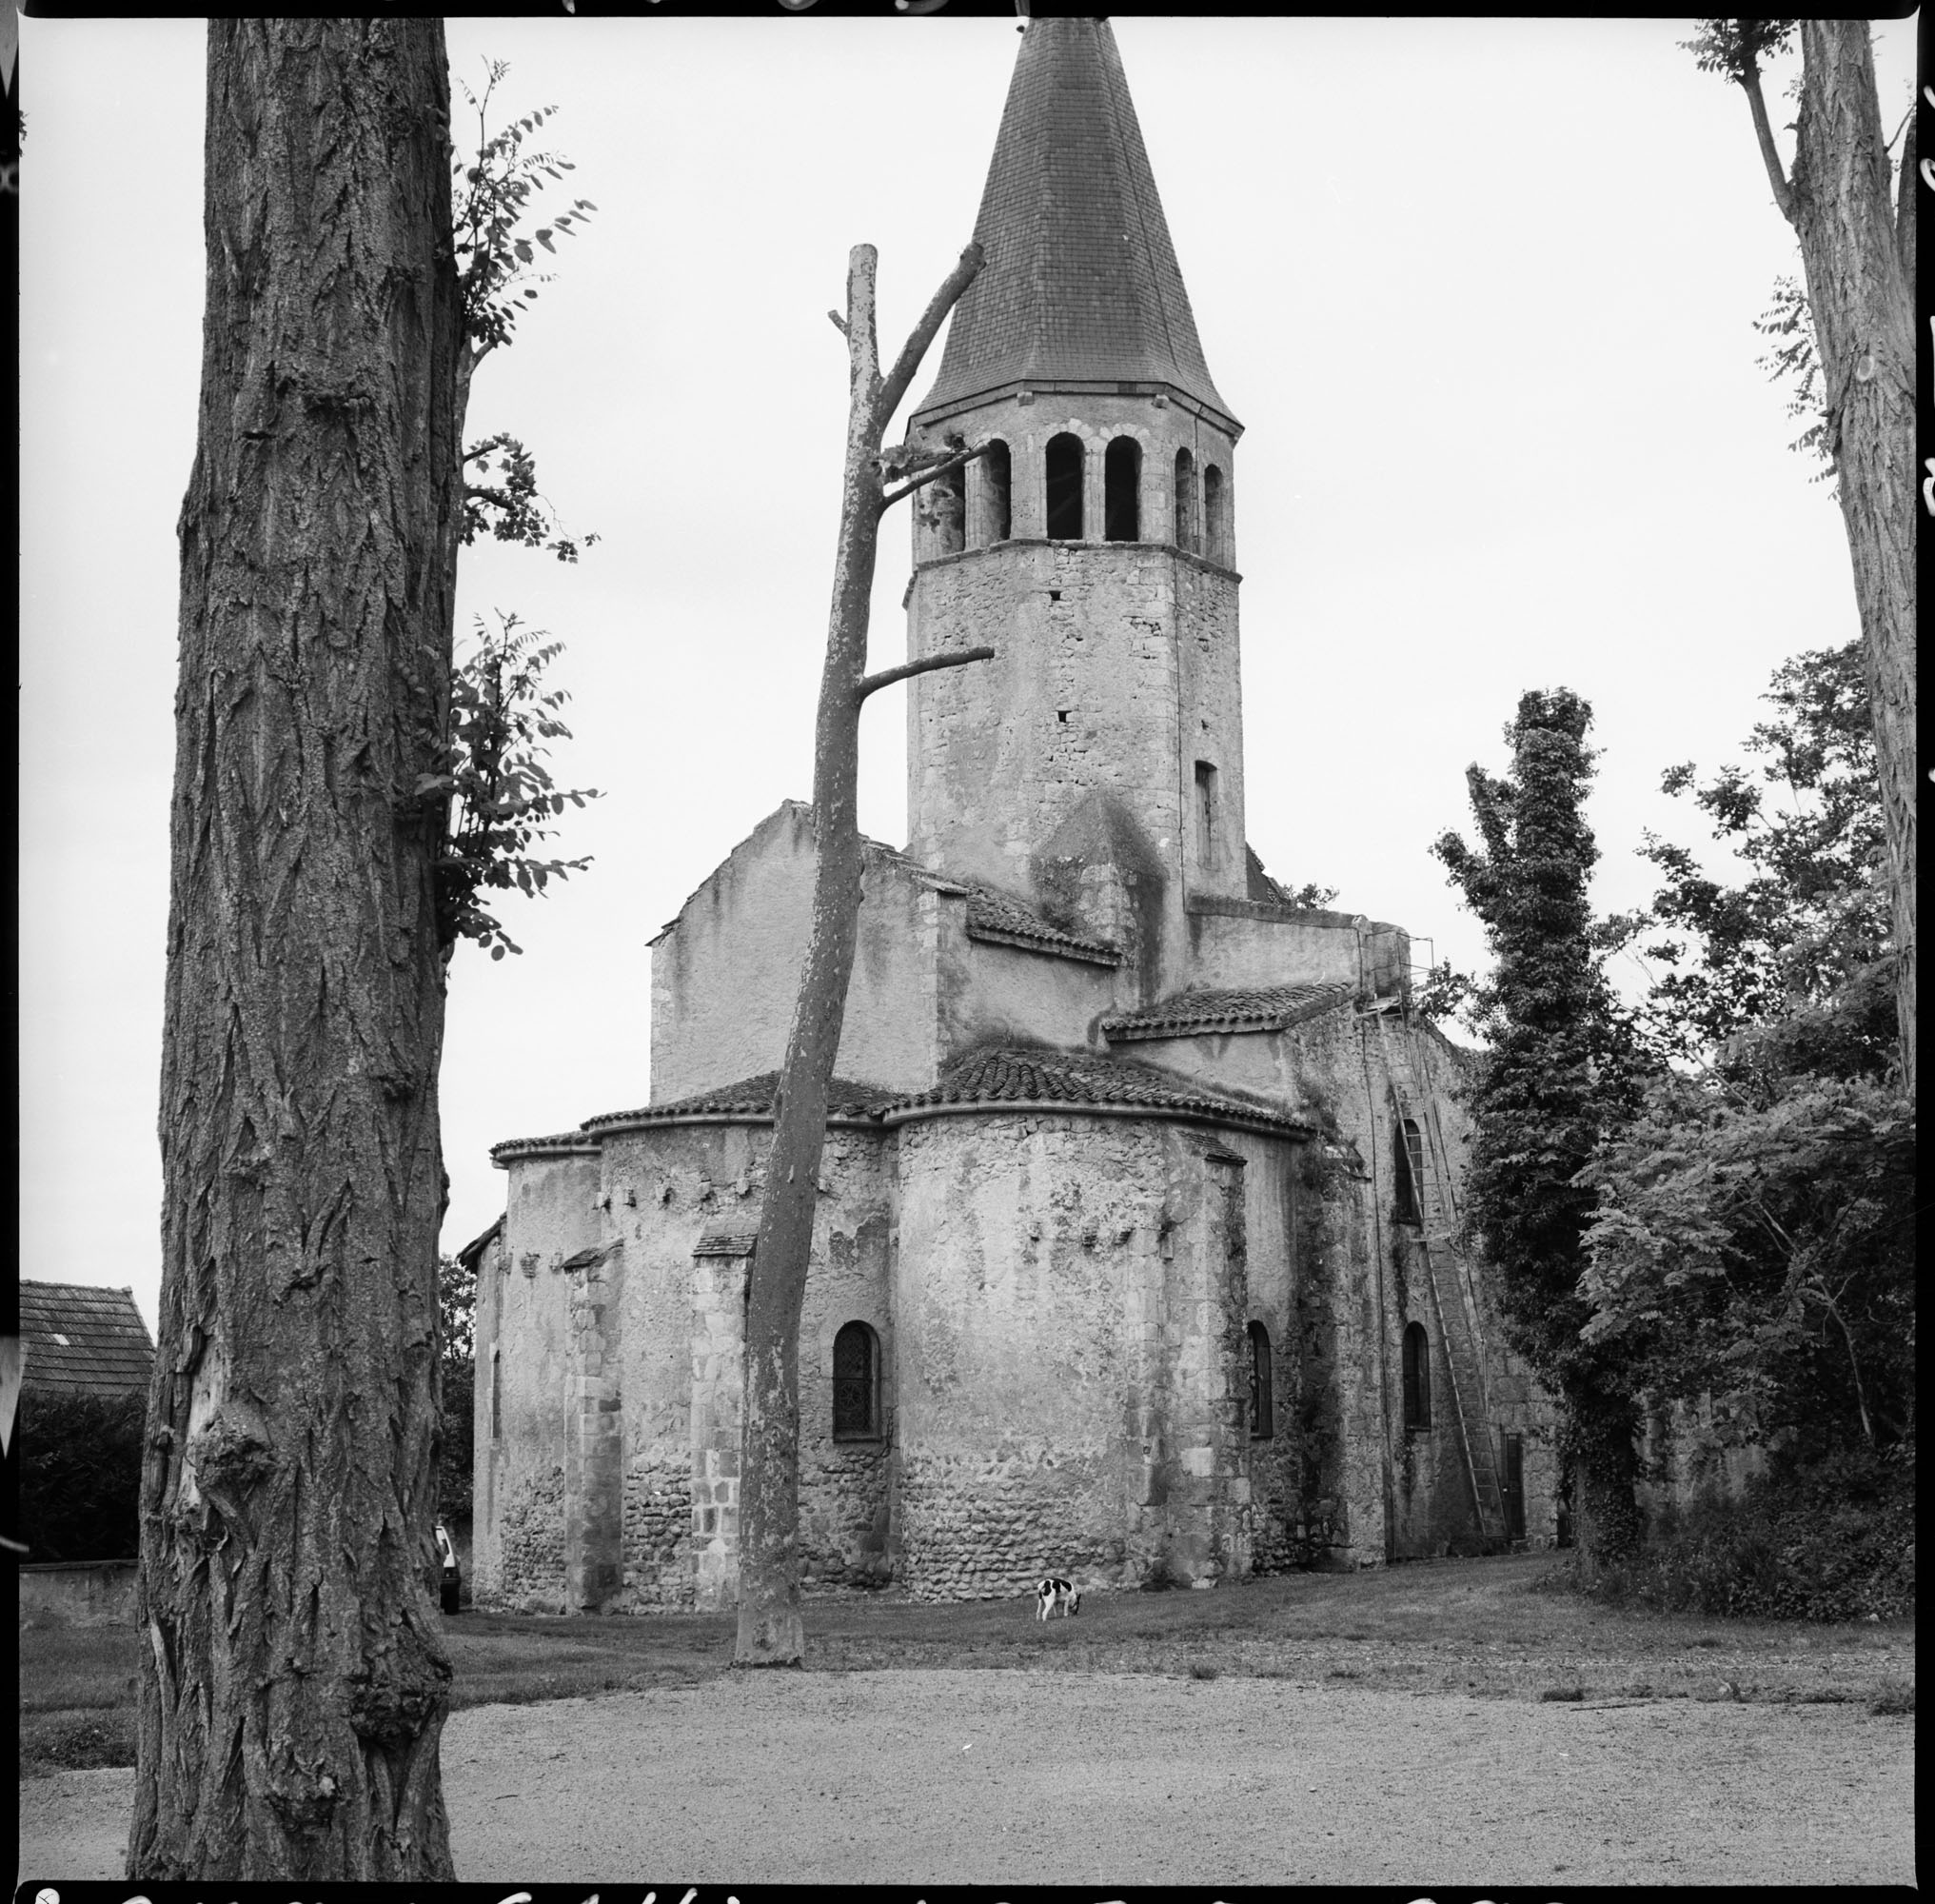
(1080,283)
(1253,1008)
(81,1339)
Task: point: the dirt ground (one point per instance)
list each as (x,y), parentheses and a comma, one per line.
(1112,1779)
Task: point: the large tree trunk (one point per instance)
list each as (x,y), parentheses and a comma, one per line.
(770,1632)
(294,1681)
(1859,263)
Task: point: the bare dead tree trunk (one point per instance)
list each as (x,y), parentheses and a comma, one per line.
(1859,257)
(293,1676)
(770,1633)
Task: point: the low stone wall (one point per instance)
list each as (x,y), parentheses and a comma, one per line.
(990,1529)
(532,1534)
(658,1533)
(97,1593)
(844,1513)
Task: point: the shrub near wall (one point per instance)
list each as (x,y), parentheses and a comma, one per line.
(80,1476)
(1832,1541)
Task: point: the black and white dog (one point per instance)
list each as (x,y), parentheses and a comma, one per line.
(1051,1594)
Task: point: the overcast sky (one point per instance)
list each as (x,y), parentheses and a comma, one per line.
(1481,293)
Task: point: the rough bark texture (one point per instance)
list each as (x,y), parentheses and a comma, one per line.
(1859,263)
(294,1681)
(770,1632)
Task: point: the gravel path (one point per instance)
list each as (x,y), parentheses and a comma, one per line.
(1049,1777)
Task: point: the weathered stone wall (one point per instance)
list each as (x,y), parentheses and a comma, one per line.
(994,994)
(725,974)
(524,1318)
(1234,943)
(1069,1296)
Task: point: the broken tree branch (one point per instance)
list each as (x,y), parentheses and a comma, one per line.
(939,470)
(888,676)
(895,386)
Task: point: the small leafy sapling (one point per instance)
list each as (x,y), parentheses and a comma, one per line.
(500,793)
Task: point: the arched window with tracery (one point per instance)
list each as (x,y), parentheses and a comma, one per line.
(1185,502)
(1262,1413)
(855,1383)
(1064,522)
(1215,515)
(1122,490)
(1418,1376)
(997,505)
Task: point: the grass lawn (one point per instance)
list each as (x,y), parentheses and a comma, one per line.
(1477,1628)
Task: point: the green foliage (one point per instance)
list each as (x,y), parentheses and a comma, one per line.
(490,196)
(1734,48)
(1561,1073)
(80,1474)
(1800,937)
(1754,1243)
(1443,994)
(456,1312)
(1790,321)
(499,792)
(1829,1540)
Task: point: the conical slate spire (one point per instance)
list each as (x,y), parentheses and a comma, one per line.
(1080,287)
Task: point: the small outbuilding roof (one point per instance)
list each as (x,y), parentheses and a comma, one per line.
(995,916)
(79,1338)
(1052,1078)
(1245,1008)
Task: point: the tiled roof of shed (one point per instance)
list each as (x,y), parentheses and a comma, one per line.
(79,1338)
(1254,1008)
(750,1097)
(994,915)
(1032,1076)
(1081,282)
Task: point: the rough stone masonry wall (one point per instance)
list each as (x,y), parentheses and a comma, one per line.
(518,1534)
(1064,1360)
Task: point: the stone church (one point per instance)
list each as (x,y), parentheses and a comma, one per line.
(1139,1254)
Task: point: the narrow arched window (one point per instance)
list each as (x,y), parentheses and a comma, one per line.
(1418,1376)
(945,507)
(1185,502)
(1206,814)
(1064,488)
(998,507)
(1215,515)
(1122,491)
(855,1383)
(495,1396)
(1262,1425)
(1407,1157)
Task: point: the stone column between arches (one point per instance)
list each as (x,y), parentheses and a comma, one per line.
(594,1447)
(718,1288)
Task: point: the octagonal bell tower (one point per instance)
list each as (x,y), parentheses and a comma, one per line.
(1097,763)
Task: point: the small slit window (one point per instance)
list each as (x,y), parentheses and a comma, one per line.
(1122,490)
(1206,814)
(1418,1376)
(1215,515)
(1064,488)
(1185,502)
(1408,1155)
(1262,1422)
(855,1383)
(495,1396)
(998,520)
(945,506)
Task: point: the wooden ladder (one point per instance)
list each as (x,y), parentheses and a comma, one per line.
(1465,1345)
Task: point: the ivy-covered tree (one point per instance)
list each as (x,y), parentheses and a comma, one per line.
(1558,1076)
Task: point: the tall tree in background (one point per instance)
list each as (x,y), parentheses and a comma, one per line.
(770,1630)
(1557,1075)
(1858,254)
(295,1679)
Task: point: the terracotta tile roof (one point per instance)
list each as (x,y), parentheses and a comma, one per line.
(563,1143)
(750,1097)
(994,915)
(1252,1008)
(1080,283)
(81,1339)
(1031,1077)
